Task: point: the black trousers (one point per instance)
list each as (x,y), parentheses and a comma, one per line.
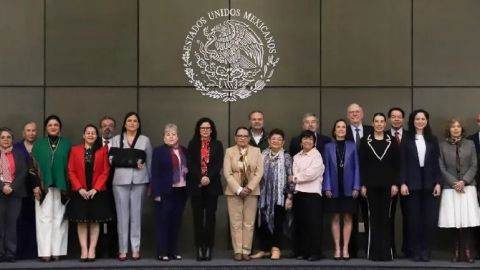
(405,234)
(204,208)
(379,242)
(422,217)
(268,239)
(9,211)
(26,233)
(355,242)
(308,224)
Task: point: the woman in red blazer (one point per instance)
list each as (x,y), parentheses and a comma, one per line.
(88,171)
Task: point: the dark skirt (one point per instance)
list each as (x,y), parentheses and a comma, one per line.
(96,210)
(341,205)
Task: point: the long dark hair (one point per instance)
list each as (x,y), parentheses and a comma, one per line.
(98,142)
(427,131)
(196,138)
(139,131)
(196,135)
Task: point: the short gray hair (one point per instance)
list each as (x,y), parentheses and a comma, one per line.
(170,127)
(309,115)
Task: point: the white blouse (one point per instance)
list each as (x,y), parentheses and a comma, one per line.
(421,149)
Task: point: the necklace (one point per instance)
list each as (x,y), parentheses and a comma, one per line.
(341,156)
(53,146)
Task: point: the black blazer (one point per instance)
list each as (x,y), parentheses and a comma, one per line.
(474,138)
(19,185)
(411,173)
(213,172)
(376,172)
(296,142)
(367,129)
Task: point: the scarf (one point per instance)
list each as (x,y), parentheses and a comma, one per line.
(458,143)
(6,175)
(177,164)
(205,156)
(244,161)
(272,186)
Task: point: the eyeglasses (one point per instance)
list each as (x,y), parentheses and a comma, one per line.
(241,136)
(205,128)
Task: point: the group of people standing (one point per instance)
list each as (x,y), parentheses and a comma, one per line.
(269,190)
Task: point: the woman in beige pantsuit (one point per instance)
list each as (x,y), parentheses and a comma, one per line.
(243,169)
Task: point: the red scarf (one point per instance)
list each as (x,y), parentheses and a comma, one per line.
(6,174)
(205,156)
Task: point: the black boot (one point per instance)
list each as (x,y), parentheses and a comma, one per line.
(467,241)
(456,251)
(200,254)
(207,255)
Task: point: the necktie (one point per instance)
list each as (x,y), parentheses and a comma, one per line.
(106,143)
(397,137)
(357,137)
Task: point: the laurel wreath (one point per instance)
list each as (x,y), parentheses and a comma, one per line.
(235,94)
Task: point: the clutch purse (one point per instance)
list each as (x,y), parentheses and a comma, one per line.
(126,157)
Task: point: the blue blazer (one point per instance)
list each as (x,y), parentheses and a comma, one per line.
(162,170)
(411,173)
(351,172)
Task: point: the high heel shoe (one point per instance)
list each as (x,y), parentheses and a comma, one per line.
(122,257)
(200,254)
(468,256)
(207,255)
(339,257)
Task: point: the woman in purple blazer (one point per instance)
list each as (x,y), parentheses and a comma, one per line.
(168,184)
(341,183)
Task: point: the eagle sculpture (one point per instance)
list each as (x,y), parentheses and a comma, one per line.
(235,44)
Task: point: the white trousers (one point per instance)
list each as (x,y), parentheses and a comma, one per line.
(51,226)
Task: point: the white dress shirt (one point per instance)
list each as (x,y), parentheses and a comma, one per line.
(421,149)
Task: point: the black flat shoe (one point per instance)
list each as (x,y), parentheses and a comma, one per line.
(9,259)
(313,258)
(177,257)
(163,258)
(83,260)
(337,258)
(90,259)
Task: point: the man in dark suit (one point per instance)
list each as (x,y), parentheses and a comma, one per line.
(258,135)
(355,131)
(396,116)
(310,122)
(108,240)
(475,137)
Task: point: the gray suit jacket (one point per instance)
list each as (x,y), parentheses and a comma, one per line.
(127,176)
(468,163)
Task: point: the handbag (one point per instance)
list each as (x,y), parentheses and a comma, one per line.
(126,157)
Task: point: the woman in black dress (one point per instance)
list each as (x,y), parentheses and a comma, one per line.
(88,171)
(341,183)
(379,169)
